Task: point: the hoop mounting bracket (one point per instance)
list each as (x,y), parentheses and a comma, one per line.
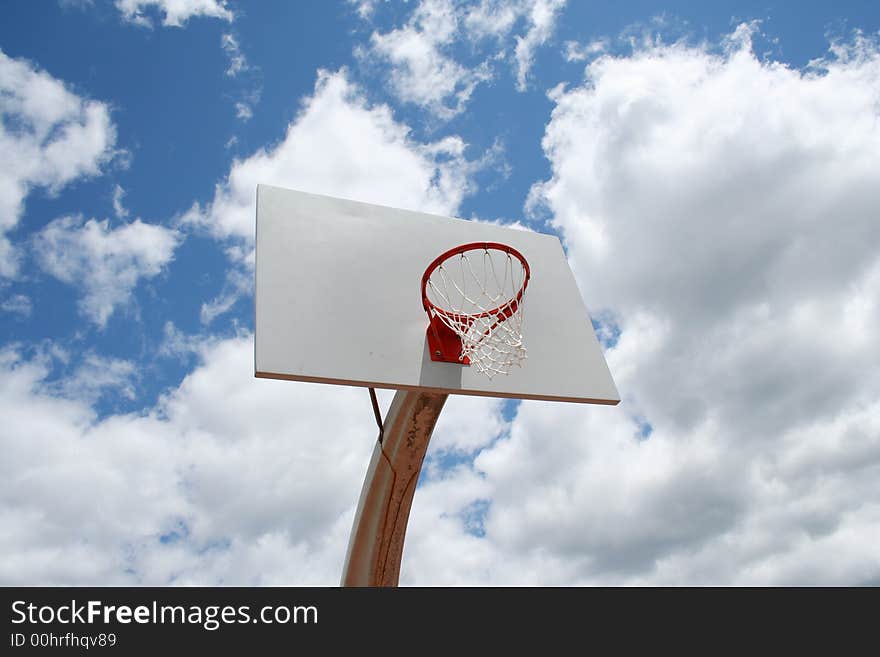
(443,343)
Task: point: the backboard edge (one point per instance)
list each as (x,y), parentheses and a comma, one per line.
(471,393)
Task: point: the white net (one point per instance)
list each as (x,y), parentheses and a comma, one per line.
(475,293)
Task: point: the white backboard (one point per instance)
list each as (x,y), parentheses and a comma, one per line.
(338,301)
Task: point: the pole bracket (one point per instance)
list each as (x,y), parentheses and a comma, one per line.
(377,413)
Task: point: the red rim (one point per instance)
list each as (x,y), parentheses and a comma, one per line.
(509,307)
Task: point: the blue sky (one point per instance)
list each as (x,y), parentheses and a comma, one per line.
(710,167)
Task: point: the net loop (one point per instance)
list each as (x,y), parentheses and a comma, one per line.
(476,290)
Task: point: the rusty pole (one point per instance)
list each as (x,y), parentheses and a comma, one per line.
(376,543)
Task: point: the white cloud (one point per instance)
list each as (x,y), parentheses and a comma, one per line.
(722,210)
(217,306)
(494,18)
(420,72)
(119,210)
(97,376)
(237,61)
(17,304)
(49,137)
(243,111)
(364,8)
(497,19)
(259,489)
(175,13)
(239,492)
(474,423)
(341,146)
(237,284)
(542,17)
(576,52)
(105,263)
(425,55)
(180,346)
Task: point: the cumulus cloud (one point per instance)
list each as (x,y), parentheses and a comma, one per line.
(719,214)
(106,263)
(175,13)
(425,56)
(541,20)
(96,376)
(339,145)
(49,137)
(476,422)
(420,71)
(260,489)
(721,210)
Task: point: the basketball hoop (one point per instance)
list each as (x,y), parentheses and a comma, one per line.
(473,295)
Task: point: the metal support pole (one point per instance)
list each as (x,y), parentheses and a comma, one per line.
(376,543)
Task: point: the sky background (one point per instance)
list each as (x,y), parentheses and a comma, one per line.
(713,170)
